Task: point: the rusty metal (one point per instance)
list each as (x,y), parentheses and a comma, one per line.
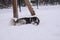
(15,10)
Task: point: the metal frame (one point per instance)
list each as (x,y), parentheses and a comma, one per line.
(15,10)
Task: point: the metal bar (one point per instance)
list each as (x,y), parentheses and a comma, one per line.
(15,11)
(30,7)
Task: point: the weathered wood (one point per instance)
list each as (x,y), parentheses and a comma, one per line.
(29,7)
(15,11)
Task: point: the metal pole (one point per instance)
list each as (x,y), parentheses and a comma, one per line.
(15,11)
(19,3)
(30,7)
(37,3)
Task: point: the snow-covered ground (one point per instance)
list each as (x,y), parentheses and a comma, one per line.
(48,29)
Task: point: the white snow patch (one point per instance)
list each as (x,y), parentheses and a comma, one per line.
(48,29)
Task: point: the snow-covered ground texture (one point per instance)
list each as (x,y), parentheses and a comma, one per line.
(48,29)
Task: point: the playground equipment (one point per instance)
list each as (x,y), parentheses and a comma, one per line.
(25,20)
(15,11)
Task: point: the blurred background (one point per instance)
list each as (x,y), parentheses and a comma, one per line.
(8,3)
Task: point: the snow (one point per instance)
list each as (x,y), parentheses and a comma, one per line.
(48,29)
